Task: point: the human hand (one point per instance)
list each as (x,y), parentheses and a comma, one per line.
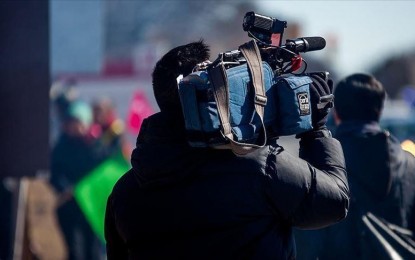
(321,98)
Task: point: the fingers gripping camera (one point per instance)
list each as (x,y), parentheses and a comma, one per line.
(321,98)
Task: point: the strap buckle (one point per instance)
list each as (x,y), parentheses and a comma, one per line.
(260,100)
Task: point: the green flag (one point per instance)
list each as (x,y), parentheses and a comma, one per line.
(92,192)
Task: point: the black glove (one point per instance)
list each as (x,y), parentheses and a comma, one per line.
(321,98)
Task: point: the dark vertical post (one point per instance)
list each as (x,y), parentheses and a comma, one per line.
(24,103)
(24,87)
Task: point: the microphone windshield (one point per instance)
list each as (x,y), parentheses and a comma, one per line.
(315,43)
(305,44)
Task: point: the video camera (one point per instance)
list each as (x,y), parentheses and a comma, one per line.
(268,32)
(250,95)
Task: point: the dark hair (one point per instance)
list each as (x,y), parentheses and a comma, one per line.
(359,97)
(180,60)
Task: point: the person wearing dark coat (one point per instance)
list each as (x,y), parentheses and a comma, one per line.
(180,202)
(71,159)
(381,175)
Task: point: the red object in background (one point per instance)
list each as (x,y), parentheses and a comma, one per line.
(118,67)
(140,108)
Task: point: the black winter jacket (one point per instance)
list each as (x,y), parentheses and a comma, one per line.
(179,202)
(382,181)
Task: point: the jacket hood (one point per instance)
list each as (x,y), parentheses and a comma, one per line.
(162,155)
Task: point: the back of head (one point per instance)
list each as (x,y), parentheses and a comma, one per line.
(178,61)
(359,97)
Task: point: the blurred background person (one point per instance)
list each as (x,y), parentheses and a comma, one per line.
(107,130)
(62,95)
(381,174)
(72,158)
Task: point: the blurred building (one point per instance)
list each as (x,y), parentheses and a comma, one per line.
(396,73)
(128,37)
(77,33)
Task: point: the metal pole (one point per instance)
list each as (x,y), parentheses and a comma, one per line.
(20,217)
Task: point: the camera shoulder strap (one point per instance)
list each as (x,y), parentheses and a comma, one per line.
(253,58)
(221,93)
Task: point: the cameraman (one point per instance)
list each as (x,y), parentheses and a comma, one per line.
(179,202)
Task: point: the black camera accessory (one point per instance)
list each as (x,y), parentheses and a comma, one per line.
(305,44)
(262,27)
